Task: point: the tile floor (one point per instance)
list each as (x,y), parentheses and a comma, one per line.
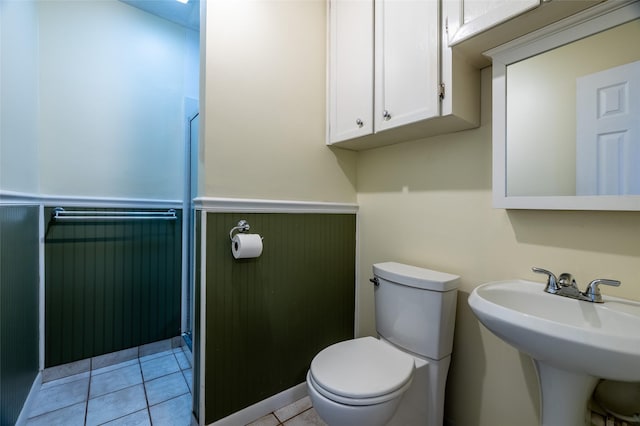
(300,413)
(154,389)
(150,390)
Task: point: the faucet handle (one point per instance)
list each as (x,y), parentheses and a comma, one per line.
(593,289)
(552,281)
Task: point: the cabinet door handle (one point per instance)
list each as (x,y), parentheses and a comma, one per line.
(359,122)
(386,115)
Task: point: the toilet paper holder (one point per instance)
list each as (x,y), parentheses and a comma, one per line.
(242,226)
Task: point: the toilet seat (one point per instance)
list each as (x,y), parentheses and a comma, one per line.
(362,371)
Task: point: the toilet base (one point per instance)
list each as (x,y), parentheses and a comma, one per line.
(423,403)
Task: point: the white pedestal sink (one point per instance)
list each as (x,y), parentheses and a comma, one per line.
(573,343)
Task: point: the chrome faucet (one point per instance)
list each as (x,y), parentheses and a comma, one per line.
(566,286)
(593,289)
(552,282)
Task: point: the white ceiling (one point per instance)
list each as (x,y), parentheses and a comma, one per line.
(187,15)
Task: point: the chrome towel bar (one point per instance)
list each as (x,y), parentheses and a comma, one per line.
(60,214)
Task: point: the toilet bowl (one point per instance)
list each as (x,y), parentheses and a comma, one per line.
(398,378)
(348,387)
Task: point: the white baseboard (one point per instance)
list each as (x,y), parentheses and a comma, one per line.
(264,407)
(33,393)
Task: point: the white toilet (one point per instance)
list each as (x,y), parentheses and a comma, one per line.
(399,378)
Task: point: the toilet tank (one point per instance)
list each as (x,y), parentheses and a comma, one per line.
(416,308)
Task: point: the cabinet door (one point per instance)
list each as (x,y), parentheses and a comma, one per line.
(475,16)
(406,56)
(350,69)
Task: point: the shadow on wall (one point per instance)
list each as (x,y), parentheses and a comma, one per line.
(453,162)
(457,161)
(346,161)
(531,380)
(473,373)
(471,367)
(591,231)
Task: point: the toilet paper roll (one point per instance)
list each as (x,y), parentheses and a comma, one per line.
(246,246)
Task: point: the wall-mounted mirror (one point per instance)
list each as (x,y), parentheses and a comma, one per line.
(566,115)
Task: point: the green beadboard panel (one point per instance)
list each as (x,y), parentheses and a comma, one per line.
(110,285)
(266,318)
(19,307)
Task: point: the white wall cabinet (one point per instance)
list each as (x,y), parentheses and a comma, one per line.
(406,62)
(475,26)
(387,70)
(475,17)
(350,69)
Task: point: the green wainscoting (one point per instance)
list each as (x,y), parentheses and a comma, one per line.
(266,318)
(110,285)
(19,307)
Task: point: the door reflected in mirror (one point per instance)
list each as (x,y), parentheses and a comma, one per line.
(573,118)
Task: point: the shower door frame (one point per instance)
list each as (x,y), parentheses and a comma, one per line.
(190,191)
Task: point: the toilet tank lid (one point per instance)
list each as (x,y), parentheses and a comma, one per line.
(414,276)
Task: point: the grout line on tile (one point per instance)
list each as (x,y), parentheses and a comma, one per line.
(113,367)
(86,401)
(125,415)
(162,402)
(144,388)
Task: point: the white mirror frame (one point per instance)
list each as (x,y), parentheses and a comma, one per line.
(591,21)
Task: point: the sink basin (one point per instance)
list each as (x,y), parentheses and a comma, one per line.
(599,339)
(573,343)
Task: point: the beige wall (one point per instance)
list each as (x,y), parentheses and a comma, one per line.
(428,203)
(264,110)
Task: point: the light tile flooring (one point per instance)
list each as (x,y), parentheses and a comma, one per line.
(154,389)
(151,390)
(300,413)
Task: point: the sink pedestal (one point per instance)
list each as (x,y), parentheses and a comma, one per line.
(564,395)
